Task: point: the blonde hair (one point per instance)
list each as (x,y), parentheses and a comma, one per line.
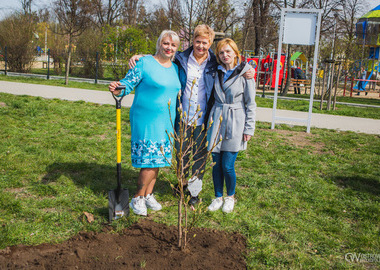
(232,44)
(167,33)
(204,30)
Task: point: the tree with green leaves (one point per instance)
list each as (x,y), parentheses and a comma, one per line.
(121,43)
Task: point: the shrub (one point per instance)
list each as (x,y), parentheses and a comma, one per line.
(16,33)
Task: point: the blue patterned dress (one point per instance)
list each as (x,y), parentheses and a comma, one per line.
(154,86)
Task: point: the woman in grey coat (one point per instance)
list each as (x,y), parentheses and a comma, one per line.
(235,106)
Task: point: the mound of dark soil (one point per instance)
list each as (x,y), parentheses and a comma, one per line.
(146,245)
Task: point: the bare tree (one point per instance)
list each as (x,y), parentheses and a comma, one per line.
(259,26)
(73,17)
(26,6)
(187,14)
(107,11)
(130,12)
(351,10)
(328,7)
(192,9)
(219,14)
(157,21)
(183,146)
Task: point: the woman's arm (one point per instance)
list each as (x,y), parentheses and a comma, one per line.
(250,107)
(131,80)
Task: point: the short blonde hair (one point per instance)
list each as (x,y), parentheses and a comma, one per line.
(204,30)
(232,44)
(167,33)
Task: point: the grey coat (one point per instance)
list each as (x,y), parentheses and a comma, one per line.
(235,102)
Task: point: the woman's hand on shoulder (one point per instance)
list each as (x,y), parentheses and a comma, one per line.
(112,87)
(246,137)
(133,60)
(250,74)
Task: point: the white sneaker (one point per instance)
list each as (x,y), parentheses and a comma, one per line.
(228,205)
(152,203)
(138,206)
(216,204)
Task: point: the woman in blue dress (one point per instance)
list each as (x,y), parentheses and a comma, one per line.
(156,82)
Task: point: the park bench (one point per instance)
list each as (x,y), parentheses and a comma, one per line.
(300,83)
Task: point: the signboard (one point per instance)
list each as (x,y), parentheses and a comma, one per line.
(299,28)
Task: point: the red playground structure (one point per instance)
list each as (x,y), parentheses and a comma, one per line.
(266,69)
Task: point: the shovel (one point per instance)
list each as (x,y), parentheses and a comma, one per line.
(118,199)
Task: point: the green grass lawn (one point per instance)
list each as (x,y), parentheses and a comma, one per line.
(304,200)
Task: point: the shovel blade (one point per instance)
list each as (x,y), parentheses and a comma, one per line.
(118,205)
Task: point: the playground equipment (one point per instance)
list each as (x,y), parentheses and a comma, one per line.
(265,68)
(300,57)
(368,35)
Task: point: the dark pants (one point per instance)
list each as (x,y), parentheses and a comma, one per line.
(197,152)
(297,89)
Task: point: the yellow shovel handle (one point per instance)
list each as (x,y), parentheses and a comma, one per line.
(118,135)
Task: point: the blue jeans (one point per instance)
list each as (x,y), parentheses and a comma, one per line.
(224,169)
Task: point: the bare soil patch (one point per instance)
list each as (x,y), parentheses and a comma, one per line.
(145,245)
(301,140)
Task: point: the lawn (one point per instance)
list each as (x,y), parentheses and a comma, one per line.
(304,200)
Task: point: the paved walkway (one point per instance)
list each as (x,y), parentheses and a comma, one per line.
(344,123)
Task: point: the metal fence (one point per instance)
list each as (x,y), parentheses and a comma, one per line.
(94,70)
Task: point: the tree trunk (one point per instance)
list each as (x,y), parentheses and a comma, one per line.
(180,219)
(331,85)
(288,66)
(336,86)
(323,86)
(68,62)
(288,70)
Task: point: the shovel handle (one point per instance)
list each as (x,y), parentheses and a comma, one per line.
(118,99)
(118,134)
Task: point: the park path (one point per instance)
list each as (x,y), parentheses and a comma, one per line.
(343,123)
